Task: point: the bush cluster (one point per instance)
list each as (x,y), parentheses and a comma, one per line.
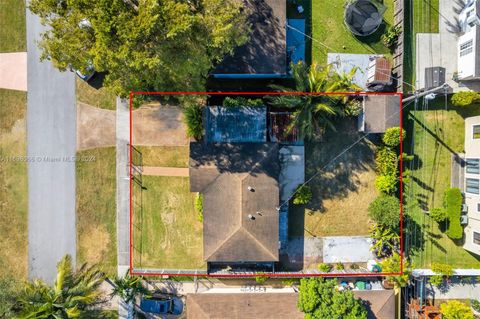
(453,206)
(194,121)
(465,98)
(386,161)
(392,136)
(438,214)
(241,101)
(386,184)
(199,206)
(385,211)
(303,195)
(390,37)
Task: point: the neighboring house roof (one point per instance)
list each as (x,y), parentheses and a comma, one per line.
(222,173)
(243,305)
(380,303)
(380,112)
(265,52)
(236,124)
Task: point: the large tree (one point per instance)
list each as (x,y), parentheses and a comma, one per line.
(319,299)
(156,45)
(71,296)
(315,112)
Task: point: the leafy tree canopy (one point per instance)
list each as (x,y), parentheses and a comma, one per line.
(156,45)
(312,114)
(319,299)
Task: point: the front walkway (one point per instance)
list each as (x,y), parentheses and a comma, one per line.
(13,70)
(165,171)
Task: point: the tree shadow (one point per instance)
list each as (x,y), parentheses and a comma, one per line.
(413,236)
(335,178)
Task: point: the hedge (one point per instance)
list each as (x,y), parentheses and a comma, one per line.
(392,136)
(386,161)
(465,98)
(453,206)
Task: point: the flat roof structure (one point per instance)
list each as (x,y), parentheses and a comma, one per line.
(236,124)
(265,54)
(380,112)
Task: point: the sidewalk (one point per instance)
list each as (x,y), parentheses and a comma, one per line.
(13,68)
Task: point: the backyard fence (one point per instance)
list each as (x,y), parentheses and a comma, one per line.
(399,14)
(136,202)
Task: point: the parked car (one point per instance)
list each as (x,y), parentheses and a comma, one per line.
(162,306)
(464,209)
(89,74)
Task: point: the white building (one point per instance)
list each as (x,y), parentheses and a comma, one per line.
(469,42)
(472,184)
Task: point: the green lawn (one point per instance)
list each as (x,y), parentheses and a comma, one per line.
(328,29)
(96,208)
(167,233)
(13,184)
(421,16)
(164,156)
(95,97)
(12,26)
(433,146)
(342,191)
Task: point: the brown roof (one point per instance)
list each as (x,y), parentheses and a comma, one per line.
(265,52)
(222,173)
(381,112)
(380,303)
(243,306)
(383,70)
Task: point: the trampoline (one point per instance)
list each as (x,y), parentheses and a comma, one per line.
(364,17)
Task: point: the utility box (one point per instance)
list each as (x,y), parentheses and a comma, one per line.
(434,77)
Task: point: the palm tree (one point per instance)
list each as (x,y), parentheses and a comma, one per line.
(70,296)
(313,112)
(127,288)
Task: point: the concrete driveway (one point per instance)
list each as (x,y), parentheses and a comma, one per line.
(95,127)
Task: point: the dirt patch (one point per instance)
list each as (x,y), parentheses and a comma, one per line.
(95,243)
(159,125)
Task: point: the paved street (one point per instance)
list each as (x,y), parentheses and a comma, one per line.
(51,145)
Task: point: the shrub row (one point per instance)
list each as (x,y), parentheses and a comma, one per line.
(453,206)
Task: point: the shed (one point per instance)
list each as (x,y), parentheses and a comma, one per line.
(380,112)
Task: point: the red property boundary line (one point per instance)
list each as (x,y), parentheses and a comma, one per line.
(150,274)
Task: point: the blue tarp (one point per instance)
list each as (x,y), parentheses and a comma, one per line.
(296,40)
(236,124)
